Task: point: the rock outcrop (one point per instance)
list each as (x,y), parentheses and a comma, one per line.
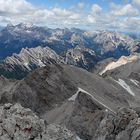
(18,123)
(123,126)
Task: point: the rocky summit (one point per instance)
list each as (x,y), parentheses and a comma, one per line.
(18,123)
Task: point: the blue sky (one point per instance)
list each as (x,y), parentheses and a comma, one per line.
(69,3)
(118,15)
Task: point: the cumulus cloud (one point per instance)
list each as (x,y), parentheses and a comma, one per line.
(121,17)
(125,10)
(98,17)
(96,9)
(132,23)
(136,3)
(118,17)
(17,11)
(15,7)
(81,5)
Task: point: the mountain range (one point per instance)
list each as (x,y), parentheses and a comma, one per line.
(25,47)
(68,84)
(104,43)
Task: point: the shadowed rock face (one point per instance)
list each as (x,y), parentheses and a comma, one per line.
(85,117)
(91,121)
(44,89)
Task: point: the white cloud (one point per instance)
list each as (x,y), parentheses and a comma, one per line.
(18,11)
(125,10)
(96,9)
(136,2)
(132,23)
(117,17)
(15,7)
(81,5)
(92,19)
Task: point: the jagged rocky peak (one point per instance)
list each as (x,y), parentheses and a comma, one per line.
(38,57)
(114,37)
(25,25)
(81,56)
(19,65)
(22,27)
(78,50)
(9,25)
(114,44)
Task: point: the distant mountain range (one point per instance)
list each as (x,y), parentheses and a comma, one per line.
(19,65)
(25,47)
(105,44)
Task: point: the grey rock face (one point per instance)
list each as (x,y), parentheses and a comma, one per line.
(50,86)
(92,121)
(125,72)
(80,114)
(56,93)
(86,116)
(88,119)
(124,126)
(19,65)
(18,123)
(57,132)
(113,44)
(81,57)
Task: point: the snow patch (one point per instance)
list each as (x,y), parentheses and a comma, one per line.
(125,86)
(78,138)
(40,63)
(26,63)
(73,98)
(135,82)
(96,99)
